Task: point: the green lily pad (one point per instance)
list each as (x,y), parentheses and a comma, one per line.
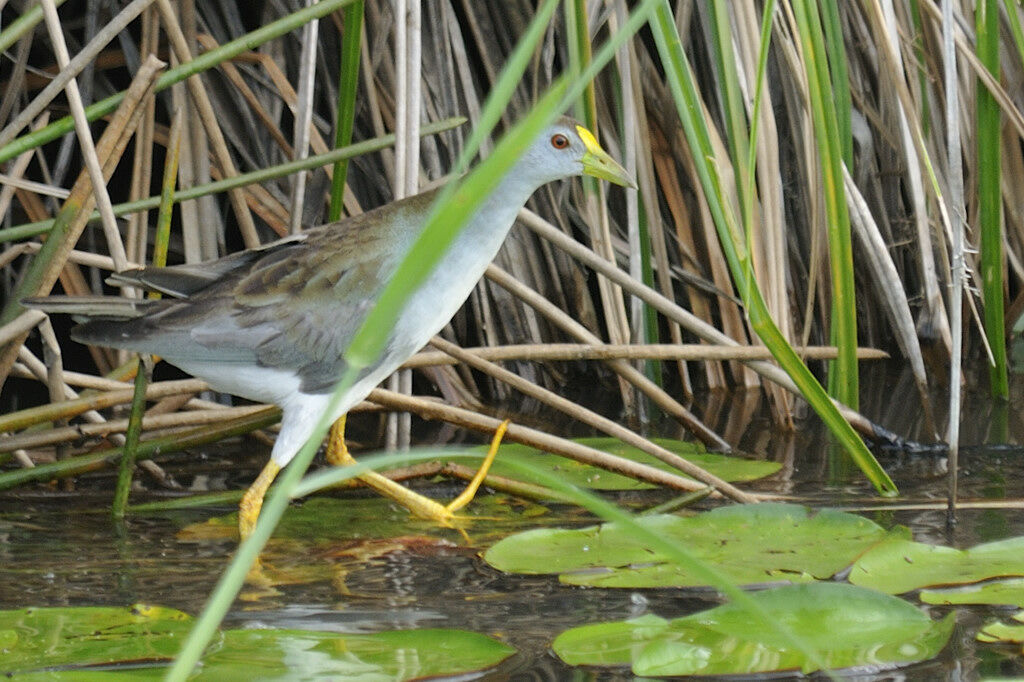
(70,643)
(900,565)
(53,637)
(329,520)
(1003,633)
(749,544)
(394,655)
(847,626)
(733,469)
(1003,592)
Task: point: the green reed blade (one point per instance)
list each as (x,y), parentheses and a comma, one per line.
(990,203)
(348,86)
(843,381)
(688,105)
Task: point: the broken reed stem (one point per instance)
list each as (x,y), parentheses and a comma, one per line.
(511,486)
(70,408)
(73,466)
(20,326)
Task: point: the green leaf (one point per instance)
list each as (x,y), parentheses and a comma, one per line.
(847,625)
(749,544)
(732,469)
(1001,592)
(899,565)
(1003,633)
(394,655)
(64,643)
(320,521)
(84,636)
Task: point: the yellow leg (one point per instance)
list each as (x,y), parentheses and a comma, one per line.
(470,492)
(252,500)
(423,507)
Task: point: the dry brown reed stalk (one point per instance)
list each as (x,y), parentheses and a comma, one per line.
(584,415)
(136,239)
(430,409)
(86,145)
(152,424)
(625,370)
(688,320)
(36,415)
(897,178)
(109,150)
(208,118)
(562,352)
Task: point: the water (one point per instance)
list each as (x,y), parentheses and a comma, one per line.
(62,549)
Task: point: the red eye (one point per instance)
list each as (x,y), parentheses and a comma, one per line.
(559,141)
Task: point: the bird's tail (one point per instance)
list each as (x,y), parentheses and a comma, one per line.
(110,321)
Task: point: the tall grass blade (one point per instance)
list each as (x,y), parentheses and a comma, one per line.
(161,245)
(842,379)
(733,241)
(990,204)
(348,86)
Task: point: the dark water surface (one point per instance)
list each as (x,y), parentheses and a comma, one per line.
(62,549)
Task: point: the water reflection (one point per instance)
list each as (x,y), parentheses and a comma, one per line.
(62,549)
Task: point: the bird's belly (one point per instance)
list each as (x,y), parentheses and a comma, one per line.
(262,384)
(437,301)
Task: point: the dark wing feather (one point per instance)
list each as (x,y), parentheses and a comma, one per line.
(182,281)
(293,305)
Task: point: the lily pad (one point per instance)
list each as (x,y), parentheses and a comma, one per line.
(1004,633)
(900,565)
(329,520)
(36,638)
(69,644)
(846,626)
(1002,592)
(749,544)
(733,469)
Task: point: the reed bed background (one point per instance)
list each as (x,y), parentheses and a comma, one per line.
(821,179)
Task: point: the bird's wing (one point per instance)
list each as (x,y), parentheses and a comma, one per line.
(293,305)
(182,281)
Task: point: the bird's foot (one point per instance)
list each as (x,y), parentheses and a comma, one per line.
(419,505)
(252,501)
(469,493)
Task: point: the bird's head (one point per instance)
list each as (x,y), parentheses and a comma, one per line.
(566,148)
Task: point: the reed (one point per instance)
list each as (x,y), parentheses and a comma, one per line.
(798,186)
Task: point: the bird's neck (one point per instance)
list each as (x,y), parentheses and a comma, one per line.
(497,213)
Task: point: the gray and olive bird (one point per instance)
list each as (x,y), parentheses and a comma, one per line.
(272,324)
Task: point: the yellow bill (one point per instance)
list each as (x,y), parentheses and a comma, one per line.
(597,163)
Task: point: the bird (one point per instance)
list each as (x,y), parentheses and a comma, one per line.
(272,323)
